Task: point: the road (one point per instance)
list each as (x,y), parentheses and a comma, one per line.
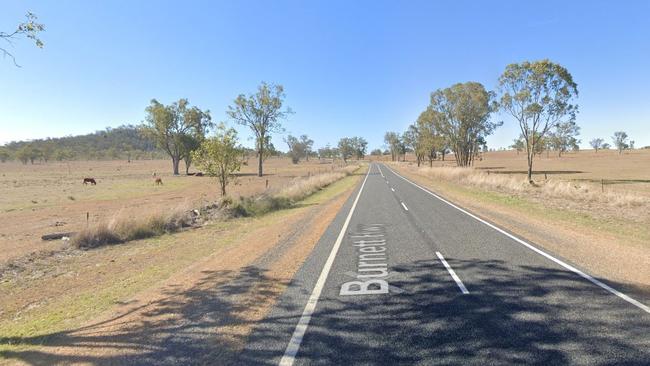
(402,276)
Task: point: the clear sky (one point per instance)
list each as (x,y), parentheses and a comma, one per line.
(349,67)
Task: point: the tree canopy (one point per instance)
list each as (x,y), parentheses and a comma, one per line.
(262,112)
(219,156)
(178,129)
(463,117)
(538,95)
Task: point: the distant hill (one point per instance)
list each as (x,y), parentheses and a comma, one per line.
(124,142)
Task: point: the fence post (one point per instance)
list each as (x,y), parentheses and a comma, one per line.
(87,218)
(267,183)
(602,185)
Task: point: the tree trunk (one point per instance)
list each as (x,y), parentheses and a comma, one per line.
(175,162)
(260,154)
(530,165)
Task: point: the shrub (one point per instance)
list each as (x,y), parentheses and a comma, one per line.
(123,229)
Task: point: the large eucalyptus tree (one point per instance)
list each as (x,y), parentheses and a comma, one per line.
(538,95)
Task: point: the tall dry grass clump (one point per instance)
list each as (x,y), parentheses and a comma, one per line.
(121,229)
(551,188)
(296,190)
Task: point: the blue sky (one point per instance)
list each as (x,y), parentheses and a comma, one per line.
(349,67)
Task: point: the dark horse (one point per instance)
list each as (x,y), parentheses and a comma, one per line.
(90,180)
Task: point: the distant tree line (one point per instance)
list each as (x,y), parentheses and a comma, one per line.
(125,142)
(538,95)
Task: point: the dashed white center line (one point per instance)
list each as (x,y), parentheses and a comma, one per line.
(392,189)
(460,284)
(403,205)
(380,172)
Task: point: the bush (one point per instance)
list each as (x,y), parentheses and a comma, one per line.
(120,229)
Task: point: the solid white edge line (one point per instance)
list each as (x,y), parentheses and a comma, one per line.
(536,250)
(296,339)
(403,205)
(460,284)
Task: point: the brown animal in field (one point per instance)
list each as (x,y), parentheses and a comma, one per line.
(158,182)
(90,180)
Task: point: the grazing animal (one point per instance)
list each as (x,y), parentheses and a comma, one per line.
(199,174)
(159,182)
(90,180)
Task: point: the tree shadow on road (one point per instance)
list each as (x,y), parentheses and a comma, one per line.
(514,314)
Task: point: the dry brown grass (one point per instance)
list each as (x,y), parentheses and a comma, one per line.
(121,229)
(300,188)
(550,188)
(36,199)
(296,190)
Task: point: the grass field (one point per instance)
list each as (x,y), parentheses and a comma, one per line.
(627,172)
(47,198)
(58,294)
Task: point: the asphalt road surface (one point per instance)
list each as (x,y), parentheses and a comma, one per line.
(402,276)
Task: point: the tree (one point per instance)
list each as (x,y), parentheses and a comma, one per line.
(346,148)
(63,154)
(393,142)
(538,95)
(297,148)
(178,129)
(24,153)
(219,155)
(262,112)
(307,144)
(596,144)
(620,140)
(410,141)
(4,154)
(360,146)
(429,140)
(518,144)
(564,137)
(463,112)
(376,152)
(30,29)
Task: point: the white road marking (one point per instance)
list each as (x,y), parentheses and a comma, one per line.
(392,189)
(460,284)
(298,334)
(380,172)
(536,250)
(403,205)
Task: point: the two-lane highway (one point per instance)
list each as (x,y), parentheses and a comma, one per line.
(404,277)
